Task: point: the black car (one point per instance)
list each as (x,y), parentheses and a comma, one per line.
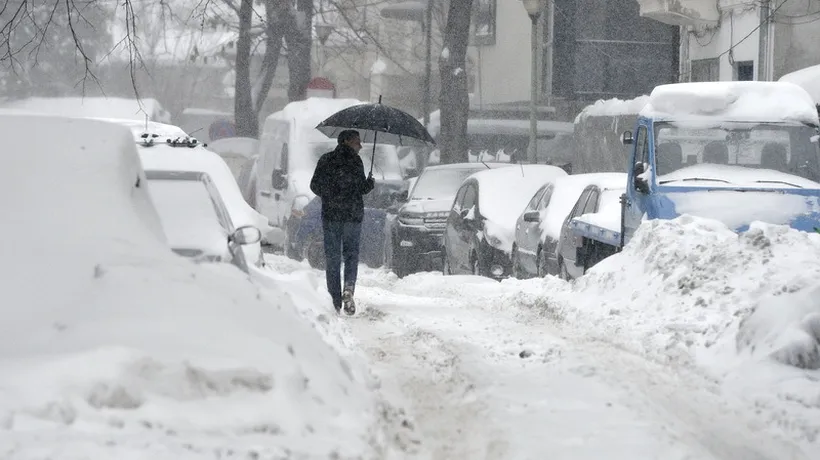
(416,235)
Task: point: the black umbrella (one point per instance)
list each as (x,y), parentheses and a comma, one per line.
(377,122)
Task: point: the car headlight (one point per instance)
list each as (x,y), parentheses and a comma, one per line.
(407,218)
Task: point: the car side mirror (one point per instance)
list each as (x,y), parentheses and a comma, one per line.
(626,138)
(245,235)
(532,216)
(279,180)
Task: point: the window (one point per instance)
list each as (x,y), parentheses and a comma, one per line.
(459,204)
(545,198)
(745,71)
(705,70)
(642,146)
(580,205)
(484,14)
(533,204)
(470,197)
(592,203)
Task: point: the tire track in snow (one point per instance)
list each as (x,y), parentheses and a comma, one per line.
(419,370)
(421,343)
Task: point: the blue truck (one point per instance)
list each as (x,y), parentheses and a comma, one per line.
(736,152)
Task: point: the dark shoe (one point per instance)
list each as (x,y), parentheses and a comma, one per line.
(348,302)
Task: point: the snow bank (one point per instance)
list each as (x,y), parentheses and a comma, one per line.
(503,193)
(113,347)
(731,101)
(613,107)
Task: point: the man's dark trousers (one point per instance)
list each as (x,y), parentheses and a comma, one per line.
(341,242)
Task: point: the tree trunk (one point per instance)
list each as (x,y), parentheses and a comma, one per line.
(454,100)
(247,123)
(298,39)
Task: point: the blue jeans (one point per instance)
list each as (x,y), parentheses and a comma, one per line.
(341,242)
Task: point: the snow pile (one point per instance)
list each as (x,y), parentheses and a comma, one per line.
(113,347)
(731,101)
(503,193)
(613,107)
(808,79)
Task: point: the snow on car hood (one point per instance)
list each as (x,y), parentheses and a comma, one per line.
(738,209)
(427,206)
(734,177)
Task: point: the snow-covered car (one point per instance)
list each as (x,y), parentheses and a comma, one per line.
(416,234)
(480,229)
(538,228)
(196,221)
(598,205)
(162,156)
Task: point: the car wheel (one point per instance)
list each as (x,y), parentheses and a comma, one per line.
(541,263)
(516,263)
(562,270)
(287,247)
(314,252)
(476,265)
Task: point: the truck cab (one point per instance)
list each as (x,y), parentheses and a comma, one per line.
(736,152)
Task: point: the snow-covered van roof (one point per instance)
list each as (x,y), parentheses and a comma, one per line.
(311,112)
(613,107)
(808,79)
(92,107)
(740,101)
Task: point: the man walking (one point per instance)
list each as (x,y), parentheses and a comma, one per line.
(340,182)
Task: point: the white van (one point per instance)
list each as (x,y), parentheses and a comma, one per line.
(289,148)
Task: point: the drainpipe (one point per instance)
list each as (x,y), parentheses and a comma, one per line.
(763,45)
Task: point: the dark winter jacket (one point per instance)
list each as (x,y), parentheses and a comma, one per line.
(340,181)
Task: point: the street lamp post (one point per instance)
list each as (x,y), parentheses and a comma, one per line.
(323,31)
(534,9)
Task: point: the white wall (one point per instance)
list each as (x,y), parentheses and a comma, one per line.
(505,66)
(738,19)
(796,36)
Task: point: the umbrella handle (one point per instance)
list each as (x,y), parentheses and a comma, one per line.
(373,155)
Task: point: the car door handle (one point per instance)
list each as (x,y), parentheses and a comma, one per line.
(265,193)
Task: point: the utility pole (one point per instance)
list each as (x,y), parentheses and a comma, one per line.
(428,26)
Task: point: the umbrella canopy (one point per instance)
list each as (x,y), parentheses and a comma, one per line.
(377,123)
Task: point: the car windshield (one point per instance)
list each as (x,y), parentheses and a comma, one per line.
(188,215)
(386,165)
(751,149)
(441,184)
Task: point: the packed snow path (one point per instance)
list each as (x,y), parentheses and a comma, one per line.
(481,381)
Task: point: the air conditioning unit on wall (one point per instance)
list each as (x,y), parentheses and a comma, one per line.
(681,12)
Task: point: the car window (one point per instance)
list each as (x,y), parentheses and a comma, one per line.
(577,210)
(460,197)
(545,197)
(470,196)
(283,163)
(592,203)
(533,204)
(188,214)
(642,147)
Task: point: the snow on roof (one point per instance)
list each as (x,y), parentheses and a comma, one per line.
(565,195)
(311,112)
(731,101)
(139,127)
(503,193)
(808,79)
(166,158)
(90,107)
(613,107)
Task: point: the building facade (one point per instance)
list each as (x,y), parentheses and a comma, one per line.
(727,40)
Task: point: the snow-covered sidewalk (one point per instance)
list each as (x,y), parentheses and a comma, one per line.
(486,380)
